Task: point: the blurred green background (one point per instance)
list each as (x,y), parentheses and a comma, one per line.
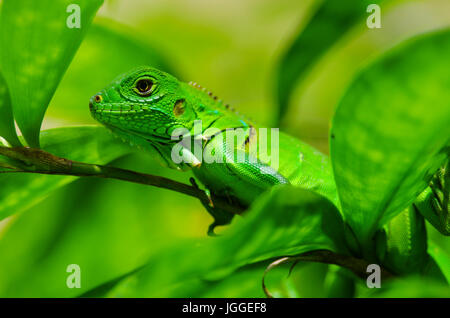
(233,48)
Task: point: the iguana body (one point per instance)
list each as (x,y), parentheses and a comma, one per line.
(146,105)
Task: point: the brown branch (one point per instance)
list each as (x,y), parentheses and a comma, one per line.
(30,160)
(357,265)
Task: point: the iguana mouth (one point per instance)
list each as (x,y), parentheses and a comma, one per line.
(119,108)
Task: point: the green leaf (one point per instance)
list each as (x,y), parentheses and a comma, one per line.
(37,47)
(389,130)
(20,191)
(242,283)
(331,20)
(7,129)
(284,221)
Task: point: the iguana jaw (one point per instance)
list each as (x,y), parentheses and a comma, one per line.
(124,120)
(160,149)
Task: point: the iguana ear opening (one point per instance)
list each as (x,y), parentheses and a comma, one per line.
(179,108)
(183,113)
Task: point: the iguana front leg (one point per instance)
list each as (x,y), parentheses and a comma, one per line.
(236,175)
(221,217)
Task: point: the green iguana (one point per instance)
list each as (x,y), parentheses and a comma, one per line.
(146,107)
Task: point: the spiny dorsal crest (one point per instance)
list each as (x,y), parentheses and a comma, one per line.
(214,97)
(210,94)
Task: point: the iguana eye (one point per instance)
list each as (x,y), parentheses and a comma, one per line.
(144,87)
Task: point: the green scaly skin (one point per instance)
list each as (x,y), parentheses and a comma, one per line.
(146,105)
(434,202)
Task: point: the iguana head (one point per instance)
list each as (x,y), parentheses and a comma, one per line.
(146,105)
(145,102)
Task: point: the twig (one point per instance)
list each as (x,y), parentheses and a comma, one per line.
(356,265)
(30,160)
